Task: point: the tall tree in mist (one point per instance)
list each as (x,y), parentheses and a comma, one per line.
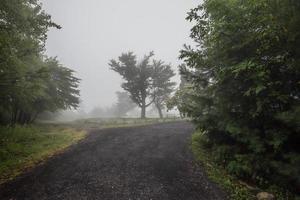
(137,78)
(162,86)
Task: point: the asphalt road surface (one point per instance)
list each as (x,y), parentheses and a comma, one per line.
(150,162)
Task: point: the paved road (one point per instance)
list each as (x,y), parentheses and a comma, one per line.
(137,163)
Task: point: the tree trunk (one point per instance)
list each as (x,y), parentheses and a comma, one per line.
(143,108)
(143,112)
(159,111)
(20,117)
(14,114)
(34,117)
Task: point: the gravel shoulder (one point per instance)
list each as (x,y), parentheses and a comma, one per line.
(133,163)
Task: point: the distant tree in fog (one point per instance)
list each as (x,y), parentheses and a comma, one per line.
(163,87)
(137,78)
(97,112)
(124,104)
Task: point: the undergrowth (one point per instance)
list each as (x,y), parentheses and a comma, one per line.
(236,189)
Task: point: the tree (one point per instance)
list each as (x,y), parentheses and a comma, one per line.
(162,85)
(26,75)
(137,77)
(60,91)
(245,72)
(124,104)
(51,88)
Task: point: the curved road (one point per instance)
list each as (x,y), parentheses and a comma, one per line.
(136,163)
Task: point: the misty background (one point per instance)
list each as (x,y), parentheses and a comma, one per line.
(95,31)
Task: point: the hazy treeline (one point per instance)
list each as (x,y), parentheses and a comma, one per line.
(124,107)
(243,87)
(30,83)
(120,109)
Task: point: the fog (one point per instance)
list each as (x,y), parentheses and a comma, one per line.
(95,31)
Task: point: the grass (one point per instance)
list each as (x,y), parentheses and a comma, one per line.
(23,147)
(100,123)
(236,189)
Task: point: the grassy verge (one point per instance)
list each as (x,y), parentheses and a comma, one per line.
(237,189)
(23,147)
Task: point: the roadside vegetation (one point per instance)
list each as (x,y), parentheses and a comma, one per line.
(236,188)
(31,83)
(23,147)
(241,88)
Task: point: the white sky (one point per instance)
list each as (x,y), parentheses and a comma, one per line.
(95,31)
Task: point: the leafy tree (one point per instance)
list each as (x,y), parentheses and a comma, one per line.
(25,74)
(52,88)
(137,77)
(61,89)
(162,85)
(245,72)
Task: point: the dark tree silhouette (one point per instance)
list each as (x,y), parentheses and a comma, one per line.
(137,78)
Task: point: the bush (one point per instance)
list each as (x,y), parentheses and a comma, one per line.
(218,172)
